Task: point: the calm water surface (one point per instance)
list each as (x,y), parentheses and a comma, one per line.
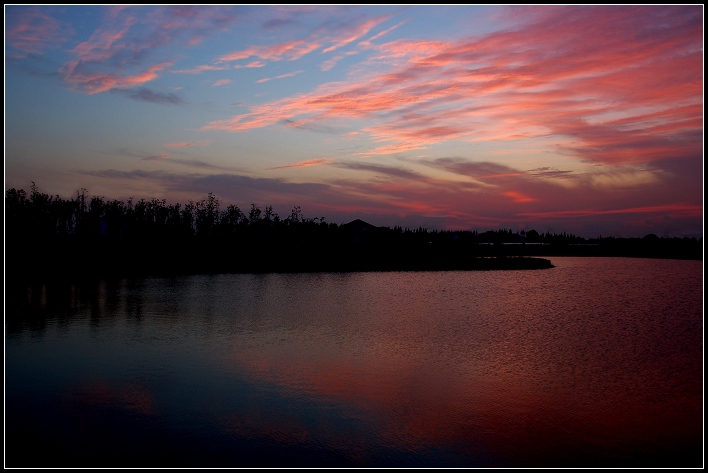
(594,363)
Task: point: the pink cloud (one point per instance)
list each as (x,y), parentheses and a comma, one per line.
(355,32)
(290,51)
(542,78)
(31,31)
(186,144)
(96,82)
(306,163)
(393,149)
(518,197)
(411,50)
(250,65)
(296,49)
(221,82)
(104,43)
(282,76)
(114,55)
(381,34)
(202,68)
(330,63)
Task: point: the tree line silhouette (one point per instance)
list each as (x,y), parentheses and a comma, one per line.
(85,234)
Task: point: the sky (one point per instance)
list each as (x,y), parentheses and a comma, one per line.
(579,119)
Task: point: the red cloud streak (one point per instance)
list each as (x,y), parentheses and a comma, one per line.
(631,94)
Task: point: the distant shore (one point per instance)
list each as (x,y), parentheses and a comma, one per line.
(50,236)
(85,261)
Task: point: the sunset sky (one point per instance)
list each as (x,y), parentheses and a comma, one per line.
(579,119)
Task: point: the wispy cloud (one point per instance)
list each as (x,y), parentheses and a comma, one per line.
(281,76)
(381,34)
(518,197)
(306,163)
(542,78)
(202,68)
(32,31)
(330,63)
(482,171)
(353,31)
(250,65)
(93,82)
(311,125)
(156,157)
(193,163)
(200,164)
(396,148)
(220,82)
(549,172)
(338,36)
(147,95)
(278,23)
(380,169)
(232,187)
(684,209)
(186,144)
(131,48)
(291,51)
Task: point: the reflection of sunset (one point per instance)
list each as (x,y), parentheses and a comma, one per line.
(131,396)
(254,424)
(557,368)
(422,376)
(417,401)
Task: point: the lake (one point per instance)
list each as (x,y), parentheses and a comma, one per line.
(597,362)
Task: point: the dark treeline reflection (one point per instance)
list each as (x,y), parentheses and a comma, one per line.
(88,234)
(33,305)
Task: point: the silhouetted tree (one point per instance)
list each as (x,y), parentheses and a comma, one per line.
(207,216)
(295,215)
(255,214)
